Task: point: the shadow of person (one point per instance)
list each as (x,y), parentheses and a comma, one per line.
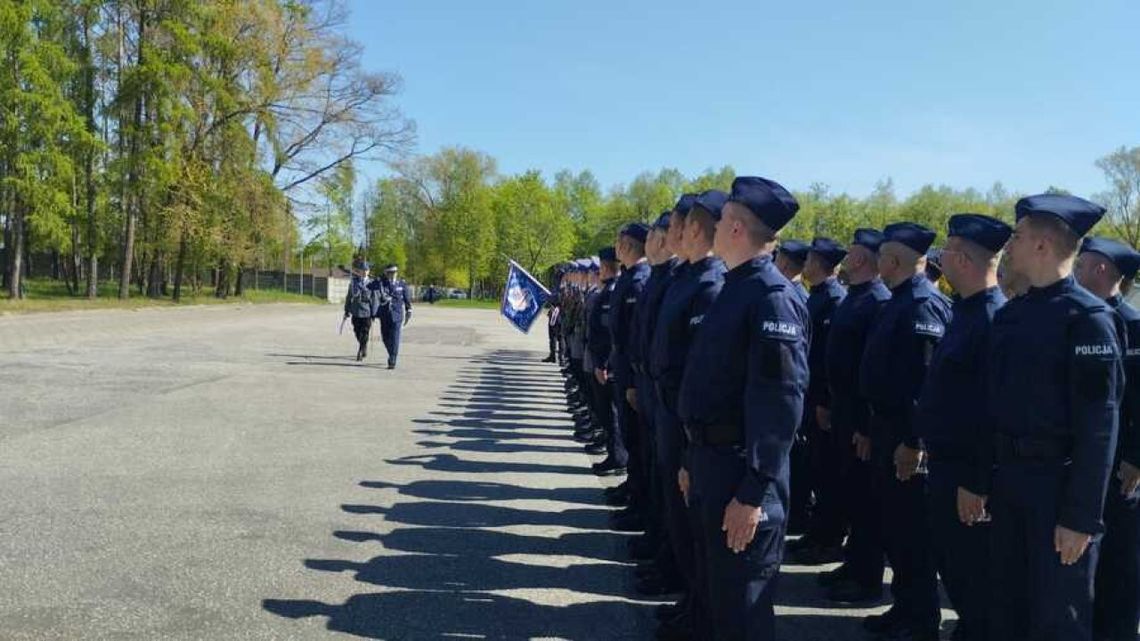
(452,463)
(494,433)
(600,546)
(477,573)
(475,515)
(484,491)
(421,614)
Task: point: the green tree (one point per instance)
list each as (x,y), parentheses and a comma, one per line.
(534,228)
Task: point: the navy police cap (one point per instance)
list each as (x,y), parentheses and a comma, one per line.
(712,201)
(797,250)
(685,204)
(828,249)
(1077,213)
(988,232)
(607,254)
(1126,259)
(912,235)
(766,199)
(636,231)
(869,238)
(662,221)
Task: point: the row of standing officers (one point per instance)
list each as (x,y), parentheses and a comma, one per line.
(984,441)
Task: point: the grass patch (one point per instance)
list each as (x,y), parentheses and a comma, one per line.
(46,295)
(467,303)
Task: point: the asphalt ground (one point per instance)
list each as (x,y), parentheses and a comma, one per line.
(231,472)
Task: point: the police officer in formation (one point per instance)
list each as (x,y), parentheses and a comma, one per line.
(986,442)
(823,540)
(395,314)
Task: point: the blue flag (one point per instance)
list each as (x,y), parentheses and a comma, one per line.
(523,298)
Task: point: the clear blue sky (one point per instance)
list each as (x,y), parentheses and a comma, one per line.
(844,92)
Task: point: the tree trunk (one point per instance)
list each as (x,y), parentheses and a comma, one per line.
(154,276)
(179,265)
(223,288)
(133,179)
(239,283)
(89,162)
(16,254)
(76,260)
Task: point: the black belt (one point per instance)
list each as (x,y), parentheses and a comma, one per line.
(1031,448)
(715,434)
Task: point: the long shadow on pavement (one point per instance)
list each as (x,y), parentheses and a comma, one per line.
(442,562)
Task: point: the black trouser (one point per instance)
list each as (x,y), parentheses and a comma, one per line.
(906,534)
(362,327)
(741,587)
(552,335)
(646,414)
(603,409)
(828,524)
(1116,612)
(680,521)
(1032,595)
(799,503)
(863,557)
(624,445)
(961,551)
(905,527)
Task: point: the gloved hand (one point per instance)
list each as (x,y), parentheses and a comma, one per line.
(407,317)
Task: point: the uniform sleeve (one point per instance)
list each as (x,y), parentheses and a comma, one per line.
(407,298)
(1129,437)
(599,343)
(927,329)
(1096,376)
(819,392)
(775,385)
(347,300)
(980,470)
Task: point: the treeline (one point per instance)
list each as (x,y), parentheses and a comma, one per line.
(154,140)
(172,143)
(452,219)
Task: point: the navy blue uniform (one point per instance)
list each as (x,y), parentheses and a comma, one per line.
(694,288)
(850,414)
(600,345)
(1055,390)
(899,349)
(949,422)
(393,314)
(623,300)
(641,334)
(827,524)
(1117,613)
(741,401)
(361,304)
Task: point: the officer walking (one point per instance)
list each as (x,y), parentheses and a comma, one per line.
(826,530)
(1056,380)
(396,314)
(361,304)
(741,400)
(898,352)
(947,419)
(860,577)
(1102,267)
